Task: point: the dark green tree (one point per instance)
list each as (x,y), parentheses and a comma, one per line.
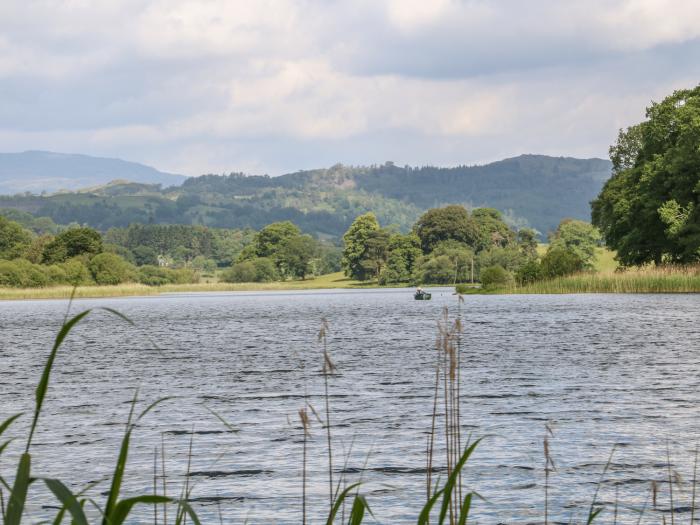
(355,245)
(294,255)
(442,224)
(559,262)
(493,231)
(649,209)
(270,238)
(72,243)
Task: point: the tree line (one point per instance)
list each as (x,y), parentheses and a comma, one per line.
(450,245)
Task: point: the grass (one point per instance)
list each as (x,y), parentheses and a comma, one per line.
(669,279)
(331,280)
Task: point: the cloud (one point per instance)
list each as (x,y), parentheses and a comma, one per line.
(276,85)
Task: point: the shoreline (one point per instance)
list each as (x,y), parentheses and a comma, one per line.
(644,281)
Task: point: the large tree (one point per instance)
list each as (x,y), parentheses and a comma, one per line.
(14,239)
(71,243)
(649,209)
(355,246)
(449,223)
(579,237)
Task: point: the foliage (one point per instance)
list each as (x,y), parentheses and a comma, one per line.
(579,237)
(493,231)
(510,258)
(559,261)
(71,243)
(527,242)
(495,277)
(529,272)
(294,255)
(145,255)
(449,223)
(531,190)
(404,251)
(14,239)
(110,269)
(271,237)
(241,272)
(648,211)
(355,246)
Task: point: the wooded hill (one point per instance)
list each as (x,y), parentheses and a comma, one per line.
(532,190)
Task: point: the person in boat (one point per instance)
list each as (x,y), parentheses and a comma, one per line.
(419,291)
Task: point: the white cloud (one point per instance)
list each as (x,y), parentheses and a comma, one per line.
(275,85)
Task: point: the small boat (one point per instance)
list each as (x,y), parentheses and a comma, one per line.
(422,296)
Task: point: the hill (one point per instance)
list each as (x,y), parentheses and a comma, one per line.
(532,190)
(44,171)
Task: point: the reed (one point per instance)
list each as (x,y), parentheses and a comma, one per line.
(663,279)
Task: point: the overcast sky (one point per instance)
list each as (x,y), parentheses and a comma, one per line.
(267,86)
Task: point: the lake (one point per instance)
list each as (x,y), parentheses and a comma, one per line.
(603,371)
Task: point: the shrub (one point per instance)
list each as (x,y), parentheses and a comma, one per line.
(559,262)
(242,272)
(265,270)
(436,270)
(153,275)
(110,269)
(20,273)
(56,274)
(184,276)
(529,272)
(77,272)
(495,277)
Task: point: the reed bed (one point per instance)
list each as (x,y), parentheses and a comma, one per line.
(665,279)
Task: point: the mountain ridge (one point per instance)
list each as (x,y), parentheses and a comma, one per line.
(40,171)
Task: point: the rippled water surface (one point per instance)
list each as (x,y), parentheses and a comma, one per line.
(604,370)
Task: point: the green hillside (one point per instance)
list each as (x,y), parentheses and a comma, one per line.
(532,190)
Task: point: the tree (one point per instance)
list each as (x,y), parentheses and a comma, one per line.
(579,237)
(648,211)
(14,239)
(145,255)
(71,243)
(441,224)
(294,255)
(376,253)
(493,231)
(527,242)
(241,272)
(270,238)
(355,246)
(404,252)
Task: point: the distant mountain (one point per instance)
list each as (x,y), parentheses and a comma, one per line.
(531,190)
(44,171)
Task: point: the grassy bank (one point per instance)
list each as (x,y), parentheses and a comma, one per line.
(332,280)
(645,280)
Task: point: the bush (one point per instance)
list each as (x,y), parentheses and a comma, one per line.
(56,274)
(20,273)
(495,277)
(529,272)
(242,272)
(559,262)
(184,276)
(265,270)
(110,269)
(145,256)
(436,270)
(77,272)
(153,275)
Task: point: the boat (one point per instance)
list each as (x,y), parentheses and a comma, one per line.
(422,296)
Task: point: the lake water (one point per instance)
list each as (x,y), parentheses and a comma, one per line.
(605,371)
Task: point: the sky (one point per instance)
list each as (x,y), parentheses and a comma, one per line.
(274,86)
